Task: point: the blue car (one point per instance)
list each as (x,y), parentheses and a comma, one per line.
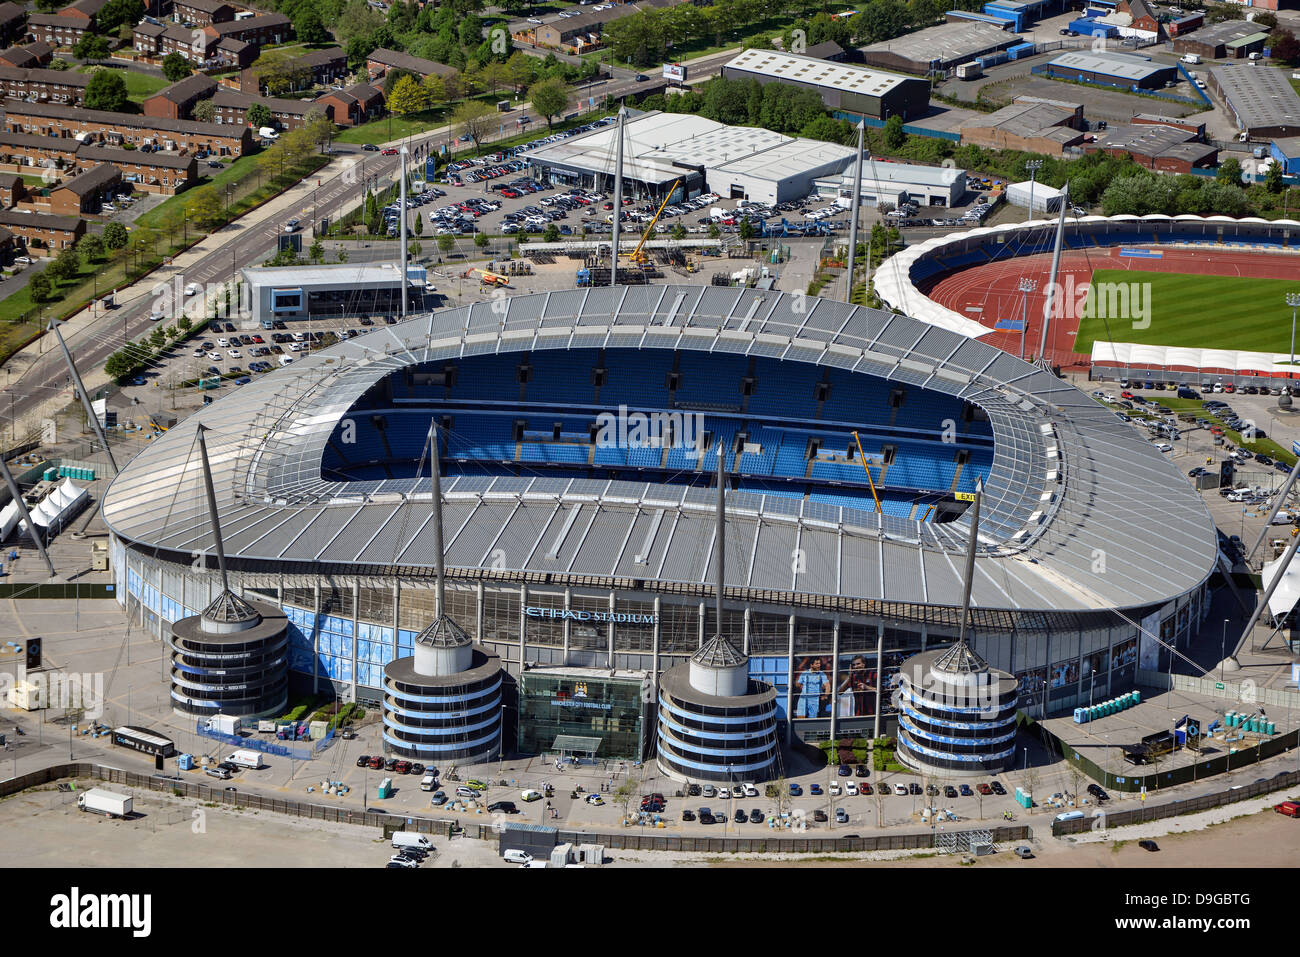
(966,791)
(796,790)
(814,789)
(845,771)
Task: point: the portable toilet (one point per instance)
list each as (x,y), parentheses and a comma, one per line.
(1078,716)
(185,762)
(385,788)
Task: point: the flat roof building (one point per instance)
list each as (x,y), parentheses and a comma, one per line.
(1123,70)
(1219,40)
(938,48)
(1167,149)
(1029,124)
(898,183)
(662,148)
(340,289)
(1261,100)
(850,89)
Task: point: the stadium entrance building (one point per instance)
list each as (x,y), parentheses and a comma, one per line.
(566,550)
(339,289)
(609,712)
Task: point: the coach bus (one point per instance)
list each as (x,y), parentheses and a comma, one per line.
(144,741)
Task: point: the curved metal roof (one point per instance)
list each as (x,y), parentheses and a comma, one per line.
(1075,505)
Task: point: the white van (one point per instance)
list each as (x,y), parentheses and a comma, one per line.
(1069,815)
(1191,58)
(286,360)
(515,856)
(403,839)
(428,782)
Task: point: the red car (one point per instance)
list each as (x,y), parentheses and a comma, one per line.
(377,762)
(258,339)
(1289,808)
(865,788)
(983,789)
(388,152)
(1126,394)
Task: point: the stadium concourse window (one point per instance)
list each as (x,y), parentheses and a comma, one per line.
(769,634)
(375,604)
(588,634)
(679,629)
(542,630)
(814,635)
(500,614)
(733,623)
(634,637)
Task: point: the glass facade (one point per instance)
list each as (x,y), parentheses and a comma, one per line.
(342,633)
(611,709)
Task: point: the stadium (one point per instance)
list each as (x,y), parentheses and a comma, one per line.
(854,439)
(1201,273)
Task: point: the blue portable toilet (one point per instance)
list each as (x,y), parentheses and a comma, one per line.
(185,762)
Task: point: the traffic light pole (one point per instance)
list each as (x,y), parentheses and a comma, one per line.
(27,516)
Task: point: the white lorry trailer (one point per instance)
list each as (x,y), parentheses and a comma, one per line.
(223,724)
(104,802)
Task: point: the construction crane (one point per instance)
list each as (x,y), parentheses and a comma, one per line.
(863,455)
(637,258)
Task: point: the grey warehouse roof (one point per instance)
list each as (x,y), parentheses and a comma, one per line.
(1068,482)
(805,69)
(1123,65)
(1259,96)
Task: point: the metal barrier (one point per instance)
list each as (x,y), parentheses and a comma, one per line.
(613,840)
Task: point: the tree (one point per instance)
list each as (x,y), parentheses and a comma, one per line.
(115,235)
(1286,48)
(1273,178)
(115,13)
(394,77)
(341,254)
(91,47)
(280,71)
(106,91)
(308,27)
(551,234)
(481,240)
(40,287)
(65,266)
(316,252)
(258,115)
(184,323)
(407,96)
(419,225)
(205,207)
(1229,173)
(446,244)
(175,67)
(549,98)
(746,230)
(895,137)
(679,232)
(475,119)
(205,111)
(119,365)
(714,230)
(413,249)
(91,248)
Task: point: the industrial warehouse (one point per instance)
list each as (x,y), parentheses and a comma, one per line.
(671,154)
(576,571)
(1261,100)
(852,90)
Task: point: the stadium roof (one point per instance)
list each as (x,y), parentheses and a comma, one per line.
(1067,480)
(805,69)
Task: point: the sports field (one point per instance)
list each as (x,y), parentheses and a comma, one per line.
(1215,312)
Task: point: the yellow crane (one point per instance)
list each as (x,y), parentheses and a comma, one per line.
(862,455)
(637,258)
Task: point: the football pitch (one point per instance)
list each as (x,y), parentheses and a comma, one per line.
(1205,312)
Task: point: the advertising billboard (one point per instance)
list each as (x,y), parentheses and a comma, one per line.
(675,71)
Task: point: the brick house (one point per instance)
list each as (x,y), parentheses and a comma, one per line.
(48,119)
(41,232)
(12,21)
(202,12)
(84,192)
(12,189)
(56,29)
(7,245)
(176,102)
(46,86)
(259,30)
(379,62)
(84,10)
(354,105)
(157,41)
(327,66)
(165,173)
(28,56)
(232,108)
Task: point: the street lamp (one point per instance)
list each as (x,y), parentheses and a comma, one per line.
(1033,166)
(1223,648)
(1292,300)
(1026,287)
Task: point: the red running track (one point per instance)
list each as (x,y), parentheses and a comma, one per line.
(989,293)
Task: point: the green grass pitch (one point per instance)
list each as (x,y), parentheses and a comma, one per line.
(1206,312)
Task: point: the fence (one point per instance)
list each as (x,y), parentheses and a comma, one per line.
(61,590)
(1156,812)
(615,840)
(876,124)
(265,746)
